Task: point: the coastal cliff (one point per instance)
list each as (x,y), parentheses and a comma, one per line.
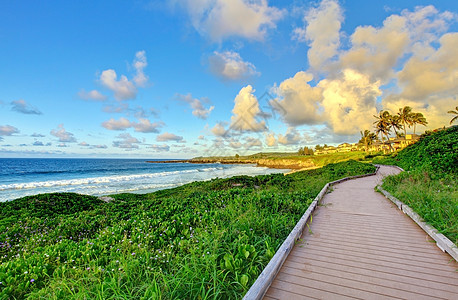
(280,163)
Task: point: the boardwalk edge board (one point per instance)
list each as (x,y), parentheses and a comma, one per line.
(263,282)
(442,241)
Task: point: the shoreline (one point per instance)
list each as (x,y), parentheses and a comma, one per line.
(290,164)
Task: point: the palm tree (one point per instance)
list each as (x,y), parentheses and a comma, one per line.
(395,122)
(383,125)
(418,118)
(454,112)
(405,116)
(367,138)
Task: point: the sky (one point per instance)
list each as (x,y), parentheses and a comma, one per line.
(187,78)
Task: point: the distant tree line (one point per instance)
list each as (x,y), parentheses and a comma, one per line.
(305,151)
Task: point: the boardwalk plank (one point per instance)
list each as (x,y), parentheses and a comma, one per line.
(361,246)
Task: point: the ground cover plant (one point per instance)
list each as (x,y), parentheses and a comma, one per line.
(429,185)
(203,240)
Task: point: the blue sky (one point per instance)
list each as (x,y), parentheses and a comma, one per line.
(178,79)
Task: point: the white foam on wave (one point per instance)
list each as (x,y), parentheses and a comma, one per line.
(95,180)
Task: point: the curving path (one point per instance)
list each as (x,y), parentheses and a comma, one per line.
(360,246)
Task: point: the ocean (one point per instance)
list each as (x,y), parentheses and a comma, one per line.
(21,177)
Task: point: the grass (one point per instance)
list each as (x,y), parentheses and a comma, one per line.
(429,186)
(204,240)
(318,160)
(433,197)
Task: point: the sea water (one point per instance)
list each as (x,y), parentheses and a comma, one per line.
(21,177)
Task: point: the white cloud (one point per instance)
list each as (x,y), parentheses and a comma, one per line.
(7,130)
(408,58)
(199,109)
(101,146)
(145,125)
(123,89)
(322,32)
(92,95)
(121,124)
(235,144)
(251,142)
(229,65)
(291,137)
(429,84)
(37,135)
(83,144)
(166,136)
(219,130)
(220,19)
(126,142)
(271,141)
(139,64)
(63,135)
(299,101)
(376,51)
(245,112)
(122,107)
(350,102)
(160,148)
(23,107)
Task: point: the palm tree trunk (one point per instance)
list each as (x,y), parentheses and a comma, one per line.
(389,143)
(405,130)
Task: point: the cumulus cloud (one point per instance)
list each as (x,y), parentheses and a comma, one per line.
(271,141)
(143,125)
(63,135)
(160,148)
(219,130)
(245,112)
(23,107)
(291,137)
(126,141)
(350,102)
(251,142)
(220,19)
(429,84)
(39,143)
(7,130)
(83,144)
(166,136)
(409,60)
(139,64)
(322,32)
(198,109)
(37,135)
(101,146)
(229,65)
(121,124)
(92,95)
(299,101)
(122,107)
(123,88)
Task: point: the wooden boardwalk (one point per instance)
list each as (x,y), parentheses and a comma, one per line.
(360,246)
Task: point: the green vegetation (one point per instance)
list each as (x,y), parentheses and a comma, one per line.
(430,185)
(198,241)
(455,113)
